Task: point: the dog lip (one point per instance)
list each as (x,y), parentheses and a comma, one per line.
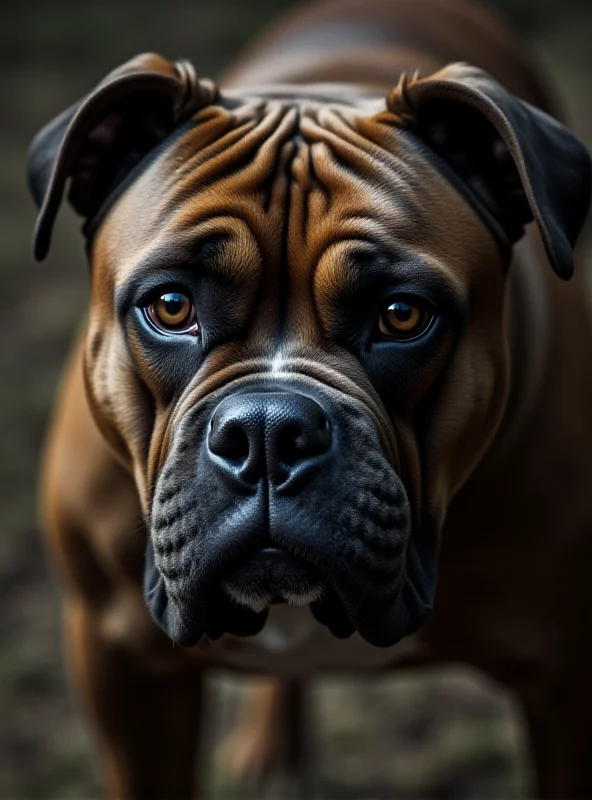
(272,552)
(273,574)
(239,600)
(268,574)
(271,556)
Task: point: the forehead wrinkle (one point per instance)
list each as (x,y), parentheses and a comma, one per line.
(358,164)
(335,126)
(303,170)
(356,208)
(411,200)
(391,168)
(205,130)
(224,138)
(353,128)
(216,145)
(358,181)
(247,160)
(309,195)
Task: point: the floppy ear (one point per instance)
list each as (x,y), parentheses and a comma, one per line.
(516,161)
(99,140)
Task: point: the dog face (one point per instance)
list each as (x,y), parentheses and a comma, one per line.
(296,338)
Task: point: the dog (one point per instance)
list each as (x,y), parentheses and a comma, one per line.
(330,409)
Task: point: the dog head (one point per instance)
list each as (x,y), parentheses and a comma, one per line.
(296,339)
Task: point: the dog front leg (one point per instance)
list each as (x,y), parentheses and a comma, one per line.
(146,720)
(271,739)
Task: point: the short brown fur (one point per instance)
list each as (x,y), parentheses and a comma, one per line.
(510,474)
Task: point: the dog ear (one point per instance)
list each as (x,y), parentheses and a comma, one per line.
(98,141)
(516,161)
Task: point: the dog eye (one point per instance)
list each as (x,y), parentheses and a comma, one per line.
(404,319)
(172,313)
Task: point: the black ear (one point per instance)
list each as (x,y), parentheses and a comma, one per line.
(96,142)
(518,162)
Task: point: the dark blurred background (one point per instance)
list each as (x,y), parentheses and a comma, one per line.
(444,734)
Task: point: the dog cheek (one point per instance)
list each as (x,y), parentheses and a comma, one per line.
(461,424)
(126,426)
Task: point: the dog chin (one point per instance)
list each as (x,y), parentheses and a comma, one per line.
(272,576)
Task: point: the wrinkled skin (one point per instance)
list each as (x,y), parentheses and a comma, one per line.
(302,219)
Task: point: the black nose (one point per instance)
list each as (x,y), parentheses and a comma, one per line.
(278,435)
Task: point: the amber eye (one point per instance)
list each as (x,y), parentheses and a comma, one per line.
(404,319)
(172,312)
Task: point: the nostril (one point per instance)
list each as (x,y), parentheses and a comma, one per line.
(302,440)
(290,445)
(237,444)
(231,443)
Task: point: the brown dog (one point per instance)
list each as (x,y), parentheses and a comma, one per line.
(320,358)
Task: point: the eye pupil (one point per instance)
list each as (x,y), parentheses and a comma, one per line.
(172,312)
(404,320)
(173,304)
(173,309)
(402,311)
